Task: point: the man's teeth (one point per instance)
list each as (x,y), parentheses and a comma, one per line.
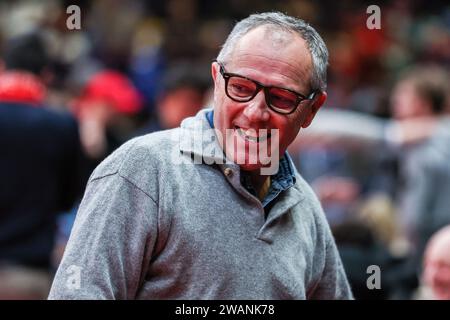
(249,134)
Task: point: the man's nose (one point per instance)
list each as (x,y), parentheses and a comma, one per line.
(257,109)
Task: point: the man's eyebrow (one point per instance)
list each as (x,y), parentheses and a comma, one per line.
(266,85)
(305,72)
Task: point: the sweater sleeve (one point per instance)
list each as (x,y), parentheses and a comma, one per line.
(111,243)
(333,283)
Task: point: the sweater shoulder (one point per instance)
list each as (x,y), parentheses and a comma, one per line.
(141,157)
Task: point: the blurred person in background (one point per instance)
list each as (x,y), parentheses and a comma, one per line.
(151,228)
(419,104)
(436,267)
(421,95)
(41,169)
(183,94)
(104,110)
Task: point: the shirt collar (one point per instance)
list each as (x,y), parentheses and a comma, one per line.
(282,180)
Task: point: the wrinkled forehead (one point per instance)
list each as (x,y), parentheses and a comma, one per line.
(272,39)
(274,48)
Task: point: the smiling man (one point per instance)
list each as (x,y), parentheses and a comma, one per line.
(263,85)
(153,227)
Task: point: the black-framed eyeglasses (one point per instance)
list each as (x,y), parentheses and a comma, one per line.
(243,89)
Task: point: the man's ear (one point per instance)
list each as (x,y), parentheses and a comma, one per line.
(215,75)
(214,71)
(318,101)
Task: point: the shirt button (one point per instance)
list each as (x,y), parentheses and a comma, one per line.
(228,172)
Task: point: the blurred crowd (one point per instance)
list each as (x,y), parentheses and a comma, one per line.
(377,154)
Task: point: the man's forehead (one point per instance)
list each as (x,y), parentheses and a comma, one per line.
(275,49)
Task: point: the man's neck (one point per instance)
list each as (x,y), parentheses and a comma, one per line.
(258,181)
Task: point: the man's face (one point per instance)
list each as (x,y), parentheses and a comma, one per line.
(406,103)
(274,59)
(179,104)
(437,268)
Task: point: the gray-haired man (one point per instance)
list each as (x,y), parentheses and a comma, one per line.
(222,227)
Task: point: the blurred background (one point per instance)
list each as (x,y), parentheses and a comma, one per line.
(377,154)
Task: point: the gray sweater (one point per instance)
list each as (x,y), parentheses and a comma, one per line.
(153,224)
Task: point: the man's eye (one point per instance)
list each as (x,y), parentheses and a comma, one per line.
(241,89)
(238,87)
(282,101)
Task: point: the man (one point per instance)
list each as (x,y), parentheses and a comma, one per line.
(182,95)
(420,96)
(106,103)
(153,227)
(436,269)
(40,170)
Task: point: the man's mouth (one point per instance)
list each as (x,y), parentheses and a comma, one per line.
(253,135)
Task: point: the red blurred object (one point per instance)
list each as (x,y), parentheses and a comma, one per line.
(370,43)
(21,87)
(113,88)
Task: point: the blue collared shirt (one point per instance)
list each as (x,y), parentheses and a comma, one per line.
(282,180)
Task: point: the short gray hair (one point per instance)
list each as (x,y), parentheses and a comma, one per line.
(316,45)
